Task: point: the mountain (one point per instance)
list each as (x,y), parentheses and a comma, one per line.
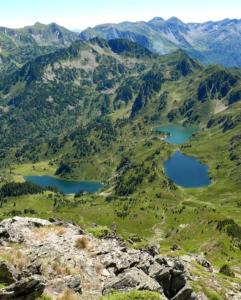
(210,42)
(90,112)
(18,46)
(73,86)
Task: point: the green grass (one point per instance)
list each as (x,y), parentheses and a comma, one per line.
(45,297)
(99,231)
(211,294)
(30,169)
(133,295)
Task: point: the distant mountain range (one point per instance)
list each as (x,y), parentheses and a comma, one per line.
(210,42)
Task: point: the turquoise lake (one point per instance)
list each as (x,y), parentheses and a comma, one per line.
(178,134)
(65,186)
(186,171)
(183,170)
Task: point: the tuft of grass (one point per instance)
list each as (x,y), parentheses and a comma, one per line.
(2,285)
(15,257)
(68,294)
(211,294)
(99,268)
(82,243)
(133,295)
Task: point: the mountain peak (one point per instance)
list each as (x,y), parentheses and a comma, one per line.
(156,19)
(174,20)
(38,24)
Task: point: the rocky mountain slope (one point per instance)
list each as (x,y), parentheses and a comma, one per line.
(80,83)
(18,46)
(58,259)
(210,42)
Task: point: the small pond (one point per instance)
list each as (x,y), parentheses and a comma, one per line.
(177,134)
(186,171)
(65,186)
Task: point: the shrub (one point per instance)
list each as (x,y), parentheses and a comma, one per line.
(226,270)
(232,229)
(100,231)
(82,243)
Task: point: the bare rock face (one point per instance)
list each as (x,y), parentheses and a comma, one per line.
(55,256)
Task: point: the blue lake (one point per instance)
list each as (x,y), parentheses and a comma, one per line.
(65,186)
(178,133)
(186,171)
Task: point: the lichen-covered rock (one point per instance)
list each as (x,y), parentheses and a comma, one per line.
(59,285)
(132,279)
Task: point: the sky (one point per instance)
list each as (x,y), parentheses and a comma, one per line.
(80,14)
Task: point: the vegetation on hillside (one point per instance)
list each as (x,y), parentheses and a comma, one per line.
(88,112)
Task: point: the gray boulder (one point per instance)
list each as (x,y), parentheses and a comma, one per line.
(153,250)
(170,274)
(132,279)
(60,284)
(205,263)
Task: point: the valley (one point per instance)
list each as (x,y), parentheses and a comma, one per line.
(99,120)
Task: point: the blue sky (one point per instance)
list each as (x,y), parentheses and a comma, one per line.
(80,14)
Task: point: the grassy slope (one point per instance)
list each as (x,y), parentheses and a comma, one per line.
(186,217)
(153,208)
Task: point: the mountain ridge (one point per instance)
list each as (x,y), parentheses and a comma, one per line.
(18,46)
(210,42)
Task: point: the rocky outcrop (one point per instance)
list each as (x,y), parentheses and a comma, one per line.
(205,263)
(25,289)
(8,273)
(132,279)
(54,256)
